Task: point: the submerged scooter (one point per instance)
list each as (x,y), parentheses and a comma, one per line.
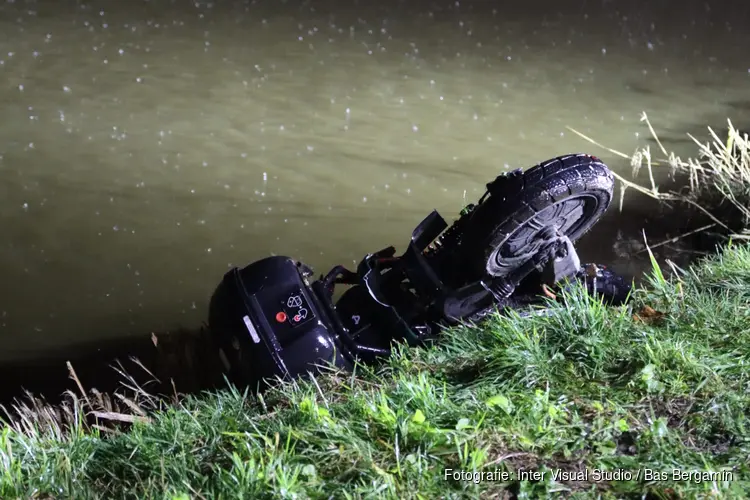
(271,321)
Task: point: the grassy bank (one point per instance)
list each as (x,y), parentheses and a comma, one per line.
(659,385)
(649,399)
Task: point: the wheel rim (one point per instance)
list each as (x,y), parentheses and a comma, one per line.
(567,217)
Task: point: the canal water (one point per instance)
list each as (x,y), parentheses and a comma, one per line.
(147,146)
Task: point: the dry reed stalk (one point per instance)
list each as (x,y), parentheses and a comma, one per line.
(723,166)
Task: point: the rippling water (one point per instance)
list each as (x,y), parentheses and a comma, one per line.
(147,146)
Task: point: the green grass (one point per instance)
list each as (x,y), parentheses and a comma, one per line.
(588,388)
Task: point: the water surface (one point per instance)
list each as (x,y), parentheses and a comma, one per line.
(145,147)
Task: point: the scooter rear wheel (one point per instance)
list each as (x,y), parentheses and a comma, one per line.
(567,194)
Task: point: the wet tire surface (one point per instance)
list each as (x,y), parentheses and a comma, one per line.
(568,192)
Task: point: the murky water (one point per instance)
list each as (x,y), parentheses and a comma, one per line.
(147,146)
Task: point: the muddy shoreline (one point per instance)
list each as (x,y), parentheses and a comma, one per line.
(183,361)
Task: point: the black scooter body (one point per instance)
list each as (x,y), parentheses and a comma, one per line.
(271,322)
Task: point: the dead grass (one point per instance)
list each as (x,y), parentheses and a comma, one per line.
(718,177)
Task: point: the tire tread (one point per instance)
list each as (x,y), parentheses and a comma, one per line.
(546,183)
